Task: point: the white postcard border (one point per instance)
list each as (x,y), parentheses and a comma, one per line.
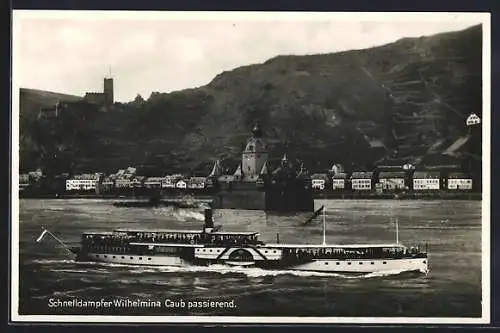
(483,18)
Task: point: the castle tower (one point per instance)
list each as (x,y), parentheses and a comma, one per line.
(108,91)
(255,154)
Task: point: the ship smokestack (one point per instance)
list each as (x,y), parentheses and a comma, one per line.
(209,222)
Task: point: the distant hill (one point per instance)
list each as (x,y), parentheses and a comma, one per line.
(397,102)
(31,100)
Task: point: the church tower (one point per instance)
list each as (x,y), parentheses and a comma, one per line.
(254,156)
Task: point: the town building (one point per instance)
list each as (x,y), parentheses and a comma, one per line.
(137,181)
(107,183)
(153,182)
(426,180)
(339,181)
(392,180)
(336,168)
(36,175)
(196,183)
(169,181)
(24,181)
(319,181)
(83,182)
(123,182)
(362,181)
(459,181)
(181,184)
(473,119)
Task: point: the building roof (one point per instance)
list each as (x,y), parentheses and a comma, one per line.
(131,170)
(458,175)
(426,174)
(216,170)
(197,180)
(362,175)
(86,176)
(123,179)
(392,174)
(340,175)
(24,177)
(238,171)
(153,179)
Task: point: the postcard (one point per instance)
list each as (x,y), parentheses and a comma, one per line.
(250,167)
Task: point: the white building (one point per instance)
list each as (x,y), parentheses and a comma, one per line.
(339,181)
(319,181)
(459,181)
(362,181)
(426,180)
(181,184)
(392,180)
(83,182)
(153,182)
(196,183)
(473,119)
(24,181)
(107,183)
(137,181)
(170,181)
(123,182)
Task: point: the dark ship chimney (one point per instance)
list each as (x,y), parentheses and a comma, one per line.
(209,222)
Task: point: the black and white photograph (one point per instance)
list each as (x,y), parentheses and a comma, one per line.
(250,167)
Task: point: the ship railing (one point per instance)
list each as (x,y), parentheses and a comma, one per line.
(349,254)
(124,240)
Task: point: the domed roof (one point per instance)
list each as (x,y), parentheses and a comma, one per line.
(255,143)
(257,131)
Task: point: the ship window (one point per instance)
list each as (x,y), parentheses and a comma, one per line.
(360,263)
(123,257)
(265,251)
(140,258)
(149,258)
(384,262)
(97,256)
(338,263)
(326,263)
(274,251)
(210,250)
(105,256)
(348,263)
(372,263)
(114,257)
(131,258)
(424,261)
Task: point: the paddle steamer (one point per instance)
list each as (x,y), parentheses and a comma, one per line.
(167,247)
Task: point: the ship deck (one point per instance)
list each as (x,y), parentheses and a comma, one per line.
(340,246)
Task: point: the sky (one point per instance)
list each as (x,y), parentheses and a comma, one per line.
(166,51)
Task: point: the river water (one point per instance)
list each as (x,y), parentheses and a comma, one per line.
(452,230)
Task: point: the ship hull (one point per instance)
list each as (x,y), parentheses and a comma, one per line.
(345,266)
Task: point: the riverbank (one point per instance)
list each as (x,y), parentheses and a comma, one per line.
(206,197)
(403,196)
